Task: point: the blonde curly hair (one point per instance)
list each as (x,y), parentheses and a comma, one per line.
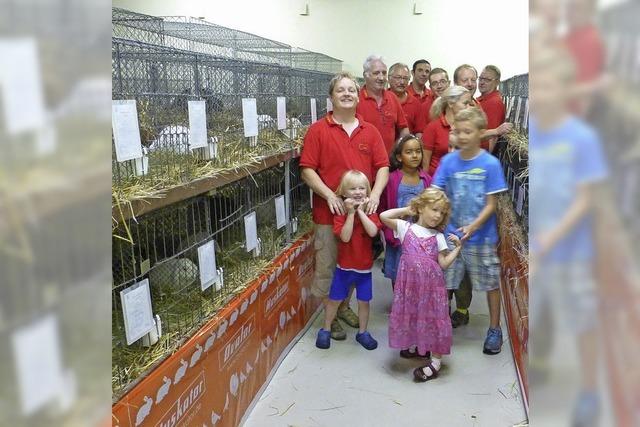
(432,197)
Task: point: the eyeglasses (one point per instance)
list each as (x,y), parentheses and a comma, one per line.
(485,80)
(440,82)
(404,79)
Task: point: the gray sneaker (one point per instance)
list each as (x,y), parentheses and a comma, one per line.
(493,342)
(337,333)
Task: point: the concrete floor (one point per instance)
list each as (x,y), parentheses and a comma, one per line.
(350,386)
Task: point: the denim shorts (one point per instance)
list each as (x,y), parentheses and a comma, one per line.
(482,264)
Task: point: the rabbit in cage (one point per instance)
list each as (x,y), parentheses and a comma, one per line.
(172,138)
(293,126)
(266,121)
(173,275)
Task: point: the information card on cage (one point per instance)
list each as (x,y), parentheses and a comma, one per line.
(126,132)
(136,308)
(250,117)
(207,262)
(197,124)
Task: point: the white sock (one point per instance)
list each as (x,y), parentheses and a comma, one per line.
(435,362)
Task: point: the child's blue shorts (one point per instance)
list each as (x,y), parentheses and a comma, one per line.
(342,281)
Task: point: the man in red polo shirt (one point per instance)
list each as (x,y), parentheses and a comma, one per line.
(438,82)
(418,86)
(491,100)
(378,105)
(336,143)
(398,81)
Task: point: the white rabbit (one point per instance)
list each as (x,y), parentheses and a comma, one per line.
(215,418)
(234,317)
(181,371)
(173,138)
(210,340)
(223,328)
(164,390)
(196,356)
(144,410)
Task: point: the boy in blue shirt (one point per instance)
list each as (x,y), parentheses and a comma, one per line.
(471,178)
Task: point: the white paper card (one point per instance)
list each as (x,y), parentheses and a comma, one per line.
(314,114)
(525,121)
(281,218)
(282,112)
(250,117)
(38,367)
(197,124)
(136,308)
(251,231)
(520,203)
(329,105)
(126,132)
(207,263)
(21,83)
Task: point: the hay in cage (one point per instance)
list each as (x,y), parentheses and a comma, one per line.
(171,169)
(508,225)
(194,307)
(517,151)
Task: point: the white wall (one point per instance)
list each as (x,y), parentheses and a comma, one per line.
(448,33)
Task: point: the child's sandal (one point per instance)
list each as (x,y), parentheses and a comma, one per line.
(421,376)
(408,354)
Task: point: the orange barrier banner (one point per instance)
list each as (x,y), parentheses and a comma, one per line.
(213,378)
(515,299)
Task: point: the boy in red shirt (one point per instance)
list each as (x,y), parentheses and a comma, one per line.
(355,231)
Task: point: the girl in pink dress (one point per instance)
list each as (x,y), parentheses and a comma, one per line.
(420,311)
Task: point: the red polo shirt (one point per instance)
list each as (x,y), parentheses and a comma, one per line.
(388,118)
(411,108)
(435,138)
(331,152)
(423,112)
(586,46)
(493,107)
(355,254)
(426,94)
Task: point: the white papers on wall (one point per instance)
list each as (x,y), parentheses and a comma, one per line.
(282,112)
(207,263)
(250,117)
(314,114)
(38,366)
(21,85)
(329,105)
(281,218)
(251,231)
(126,132)
(197,124)
(136,309)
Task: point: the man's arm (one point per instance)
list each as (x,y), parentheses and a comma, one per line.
(382,176)
(313,180)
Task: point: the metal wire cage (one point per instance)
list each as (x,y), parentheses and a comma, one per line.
(514,154)
(162,246)
(162,80)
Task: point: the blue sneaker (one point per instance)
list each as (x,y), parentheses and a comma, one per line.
(366,340)
(493,342)
(324,339)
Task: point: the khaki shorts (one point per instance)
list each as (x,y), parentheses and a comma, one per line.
(326,247)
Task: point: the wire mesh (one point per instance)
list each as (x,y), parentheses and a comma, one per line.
(163,247)
(513,151)
(162,80)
